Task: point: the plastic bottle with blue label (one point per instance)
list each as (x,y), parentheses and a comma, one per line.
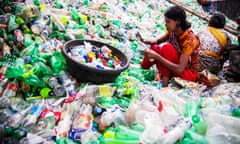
(35,112)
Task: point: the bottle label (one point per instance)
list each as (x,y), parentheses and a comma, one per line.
(18,36)
(75,134)
(11,86)
(83,121)
(1,76)
(37,27)
(36,111)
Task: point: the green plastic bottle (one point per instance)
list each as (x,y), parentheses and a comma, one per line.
(12,25)
(16,133)
(27,40)
(30,50)
(33,80)
(36,2)
(57,62)
(101,31)
(200,125)
(236,112)
(191,109)
(3,34)
(191,137)
(75,15)
(41,69)
(64,140)
(125,133)
(16,69)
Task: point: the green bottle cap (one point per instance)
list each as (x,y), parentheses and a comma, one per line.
(10,37)
(20,20)
(86,2)
(195,118)
(36,2)
(236,112)
(105,7)
(46,92)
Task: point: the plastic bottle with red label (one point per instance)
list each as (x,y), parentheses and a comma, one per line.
(3,82)
(11,89)
(18,36)
(82,123)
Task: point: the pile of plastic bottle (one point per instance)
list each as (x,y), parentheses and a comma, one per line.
(41,103)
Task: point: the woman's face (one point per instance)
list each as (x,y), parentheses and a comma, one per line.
(170,24)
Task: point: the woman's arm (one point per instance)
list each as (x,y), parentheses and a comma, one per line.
(157,41)
(177,68)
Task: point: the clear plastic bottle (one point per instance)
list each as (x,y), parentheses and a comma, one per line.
(15,119)
(64,126)
(131,111)
(58,89)
(154,129)
(67,82)
(4,102)
(177,133)
(32,138)
(83,119)
(116,116)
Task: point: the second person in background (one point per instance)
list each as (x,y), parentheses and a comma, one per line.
(214,42)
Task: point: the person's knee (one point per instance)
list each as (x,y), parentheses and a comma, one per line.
(155,47)
(169,52)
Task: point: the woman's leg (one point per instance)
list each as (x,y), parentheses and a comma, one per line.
(147,63)
(168,51)
(189,75)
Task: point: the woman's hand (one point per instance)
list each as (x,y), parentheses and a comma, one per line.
(145,41)
(150,54)
(140,37)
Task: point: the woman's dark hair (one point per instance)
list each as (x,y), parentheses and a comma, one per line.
(178,14)
(217,20)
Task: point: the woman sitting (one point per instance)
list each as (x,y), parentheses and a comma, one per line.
(179,56)
(214,41)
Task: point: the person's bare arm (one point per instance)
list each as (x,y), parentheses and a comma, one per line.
(157,41)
